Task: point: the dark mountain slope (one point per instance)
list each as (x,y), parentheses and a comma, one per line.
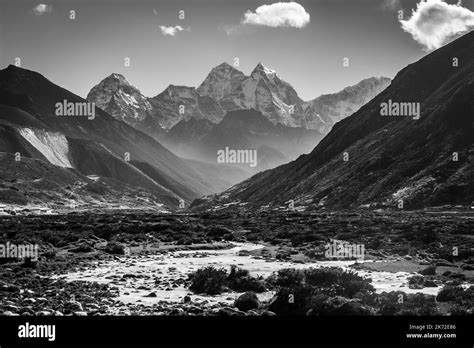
(36,97)
(390,158)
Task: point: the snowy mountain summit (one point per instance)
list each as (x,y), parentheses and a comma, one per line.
(228,89)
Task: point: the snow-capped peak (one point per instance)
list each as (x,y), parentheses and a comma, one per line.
(260,68)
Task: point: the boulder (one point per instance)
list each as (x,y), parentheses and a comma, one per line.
(186,299)
(72,306)
(430,270)
(247,301)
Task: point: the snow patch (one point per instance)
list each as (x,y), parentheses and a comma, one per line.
(52,145)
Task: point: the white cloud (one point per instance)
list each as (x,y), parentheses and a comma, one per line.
(172,31)
(391,5)
(279,14)
(41,9)
(435,23)
(232,29)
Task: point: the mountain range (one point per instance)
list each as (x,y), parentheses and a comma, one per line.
(372,158)
(195,123)
(227,89)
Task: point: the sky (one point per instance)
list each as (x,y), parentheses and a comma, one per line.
(305,42)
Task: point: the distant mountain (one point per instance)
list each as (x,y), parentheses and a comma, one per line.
(116,96)
(263,90)
(369,159)
(221,81)
(178,103)
(228,89)
(241,129)
(325,111)
(102,147)
(185,138)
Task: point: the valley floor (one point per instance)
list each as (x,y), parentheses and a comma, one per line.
(130,262)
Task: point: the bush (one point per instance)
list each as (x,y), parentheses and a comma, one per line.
(308,291)
(218,231)
(115,248)
(214,281)
(410,304)
(291,301)
(332,280)
(240,280)
(287,277)
(450,293)
(325,305)
(208,280)
(82,248)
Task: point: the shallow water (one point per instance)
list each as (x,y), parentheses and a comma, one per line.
(178,264)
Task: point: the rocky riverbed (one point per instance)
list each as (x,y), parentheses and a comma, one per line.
(130,263)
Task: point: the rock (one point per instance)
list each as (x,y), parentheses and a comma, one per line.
(467,267)
(80,314)
(429,283)
(72,306)
(430,270)
(247,301)
(177,311)
(10,314)
(457,276)
(43,313)
(445,263)
(186,299)
(11,308)
(226,311)
(151,294)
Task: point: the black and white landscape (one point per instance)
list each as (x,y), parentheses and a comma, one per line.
(226,190)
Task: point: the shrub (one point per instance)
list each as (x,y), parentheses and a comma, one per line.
(82,248)
(307,291)
(208,280)
(287,277)
(218,231)
(325,305)
(115,248)
(240,280)
(450,293)
(291,301)
(411,304)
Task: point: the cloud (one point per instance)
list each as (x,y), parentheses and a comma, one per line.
(391,5)
(279,14)
(435,23)
(232,29)
(172,31)
(41,9)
